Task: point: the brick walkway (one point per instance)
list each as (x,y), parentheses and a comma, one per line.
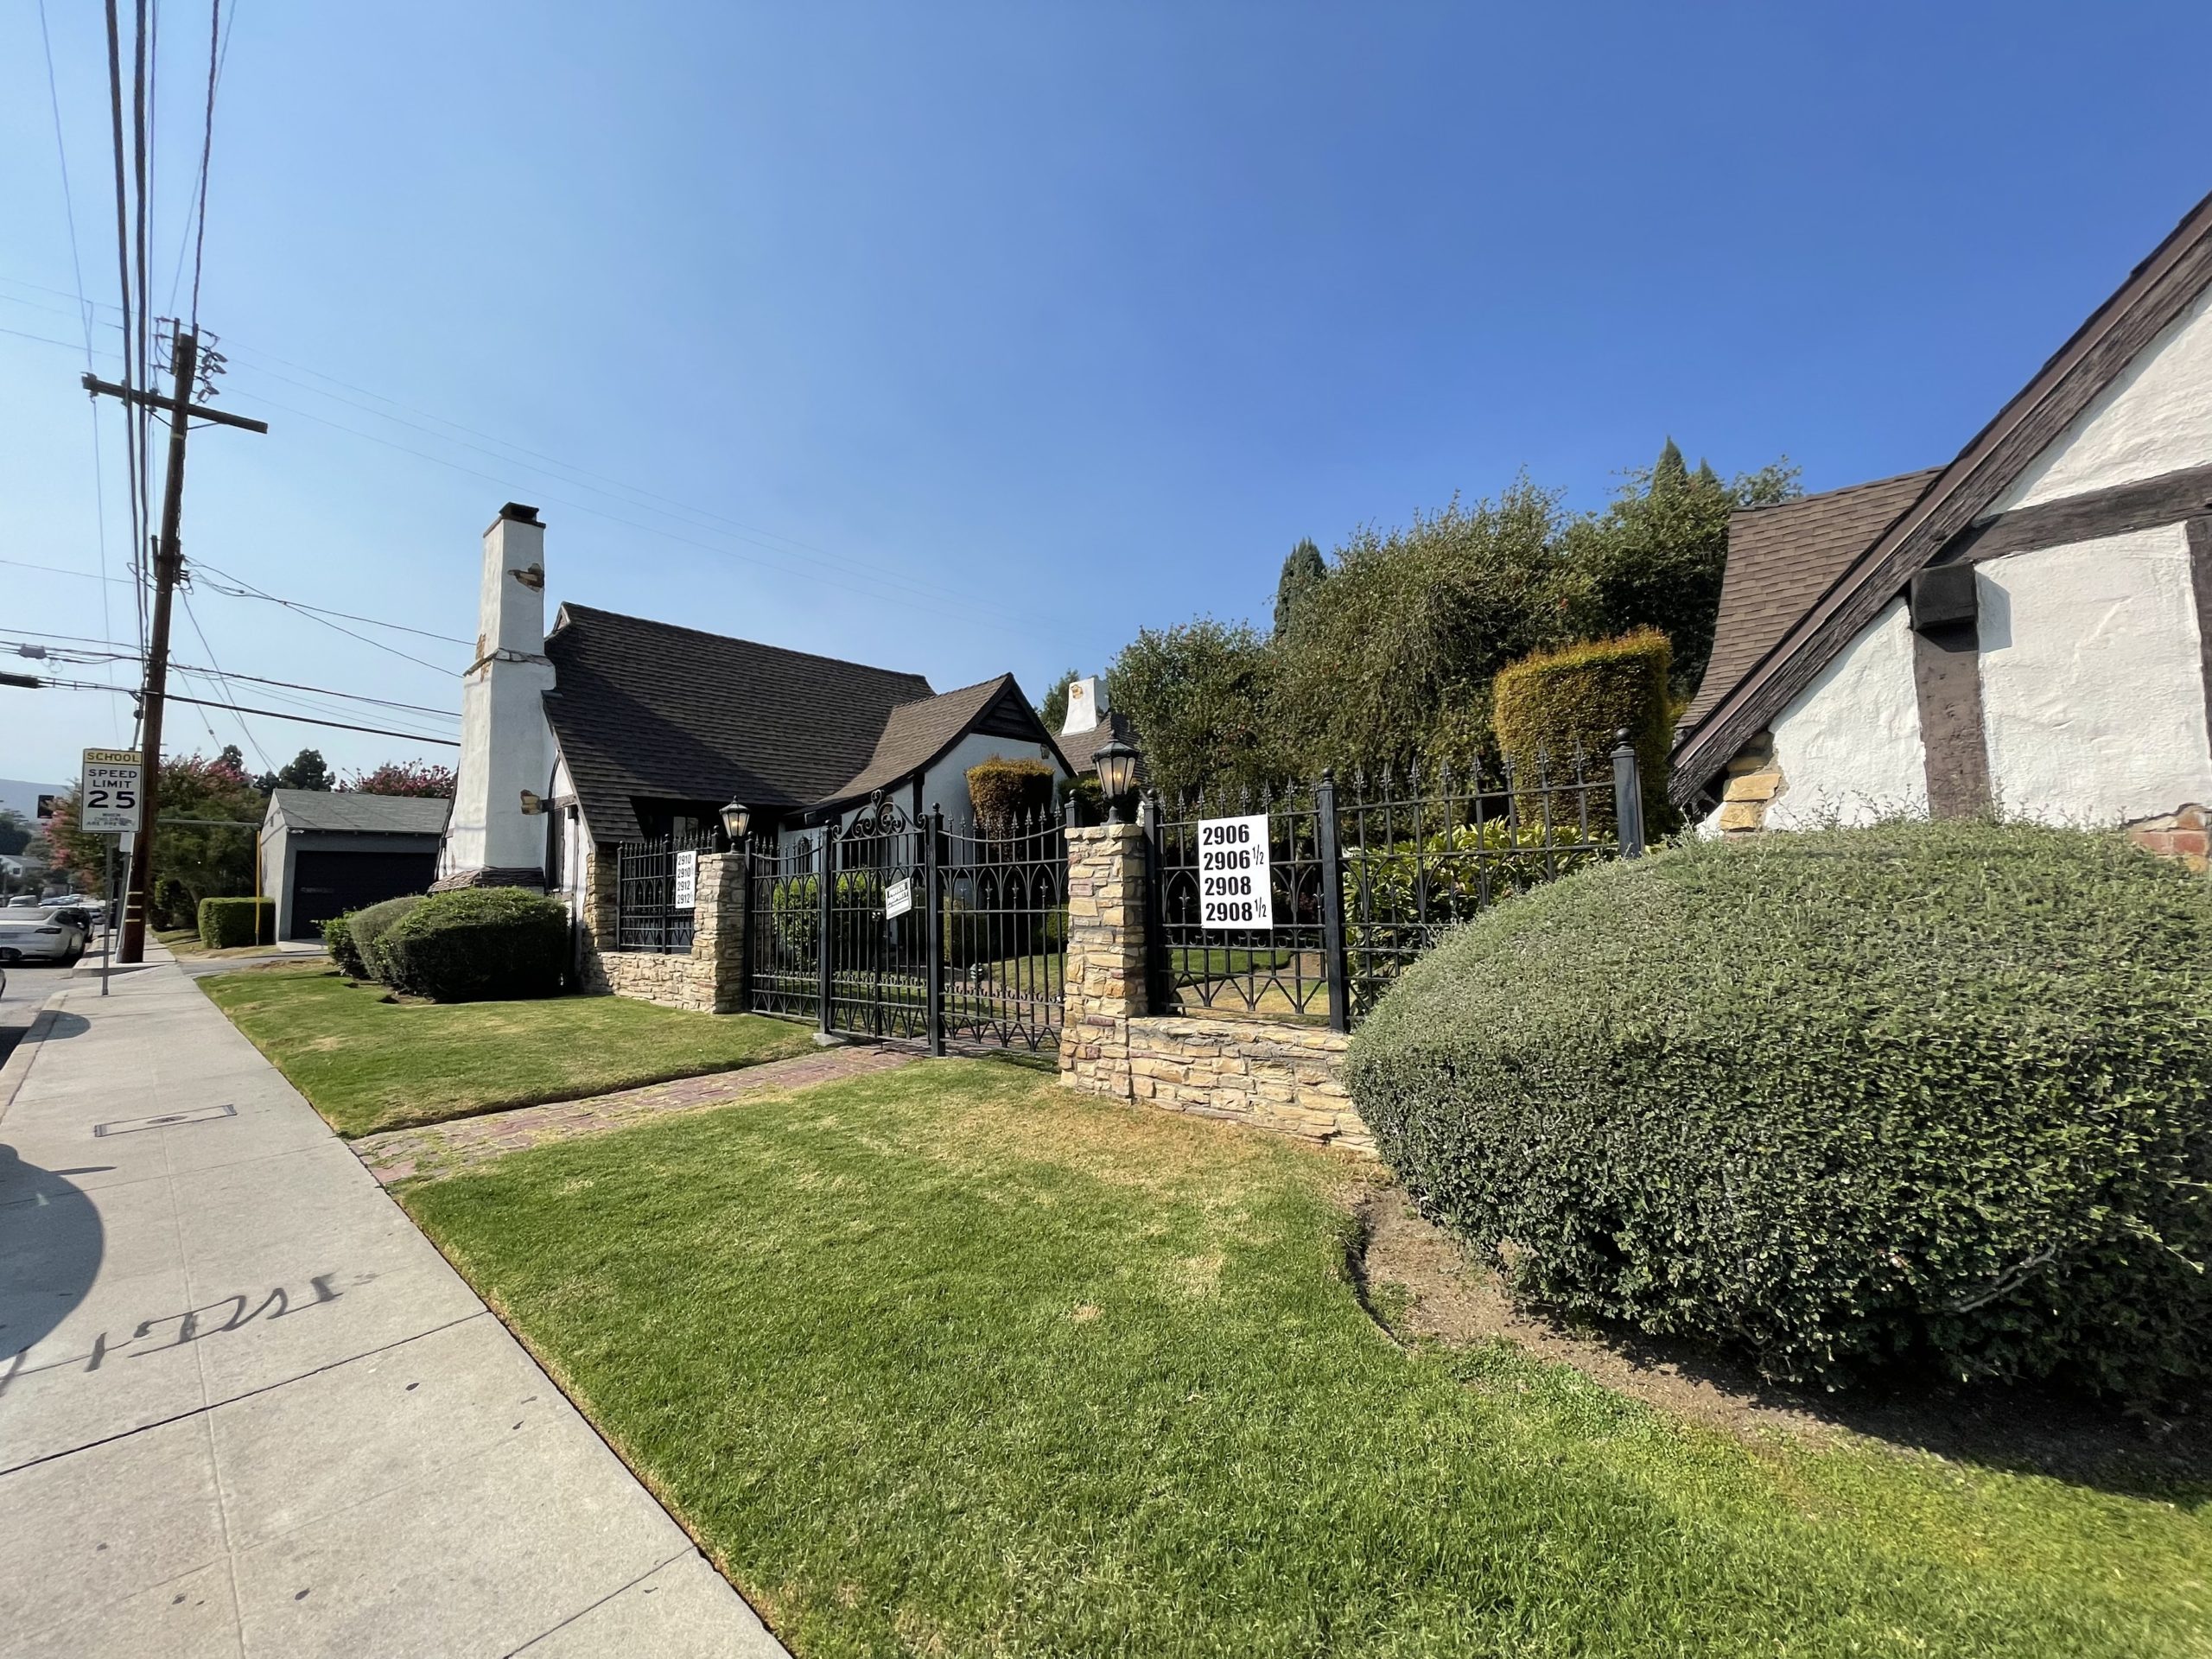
(442,1148)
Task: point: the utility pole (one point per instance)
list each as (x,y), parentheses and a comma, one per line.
(169,567)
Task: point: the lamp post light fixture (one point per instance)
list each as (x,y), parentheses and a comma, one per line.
(1117,775)
(737,818)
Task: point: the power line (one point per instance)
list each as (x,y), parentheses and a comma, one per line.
(272,714)
(313,617)
(201,635)
(206,151)
(83,308)
(324,610)
(123,270)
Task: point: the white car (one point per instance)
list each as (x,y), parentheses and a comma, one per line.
(39,938)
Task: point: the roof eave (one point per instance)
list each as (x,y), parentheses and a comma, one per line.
(2157,291)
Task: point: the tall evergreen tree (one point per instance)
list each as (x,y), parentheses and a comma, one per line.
(1303,573)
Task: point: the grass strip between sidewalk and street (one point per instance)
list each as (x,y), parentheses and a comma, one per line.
(950,1360)
(368,1064)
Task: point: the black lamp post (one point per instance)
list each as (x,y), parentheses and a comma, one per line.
(1117,775)
(737,818)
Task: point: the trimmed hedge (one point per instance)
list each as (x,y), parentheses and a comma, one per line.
(368,927)
(225,923)
(338,944)
(1928,1095)
(1552,703)
(478,943)
(1008,794)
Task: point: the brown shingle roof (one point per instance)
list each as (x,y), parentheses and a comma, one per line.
(1781,559)
(916,732)
(1081,747)
(647,710)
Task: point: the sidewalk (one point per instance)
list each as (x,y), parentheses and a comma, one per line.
(246,1408)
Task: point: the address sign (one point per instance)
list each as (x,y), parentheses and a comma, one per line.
(1234,891)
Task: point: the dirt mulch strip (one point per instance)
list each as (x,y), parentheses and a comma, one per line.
(1453,1299)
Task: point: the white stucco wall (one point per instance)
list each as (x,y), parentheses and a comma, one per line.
(2091,683)
(2155,418)
(505,746)
(1848,744)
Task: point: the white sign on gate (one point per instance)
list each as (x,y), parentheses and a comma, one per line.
(109,791)
(898,897)
(687,881)
(1234,891)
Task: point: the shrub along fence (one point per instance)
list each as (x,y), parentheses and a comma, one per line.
(1346,885)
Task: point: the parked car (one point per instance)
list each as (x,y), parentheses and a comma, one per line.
(36,938)
(73,908)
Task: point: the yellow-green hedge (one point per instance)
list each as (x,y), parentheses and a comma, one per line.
(1550,704)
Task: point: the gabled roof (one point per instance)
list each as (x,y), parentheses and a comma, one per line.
(647,710)
(350,813)
(2156,292)
(917,734)
(1783,557)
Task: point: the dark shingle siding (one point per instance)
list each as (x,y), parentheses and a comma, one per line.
(1781,560)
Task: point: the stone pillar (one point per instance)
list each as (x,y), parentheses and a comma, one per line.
(1105,983)
(708,978)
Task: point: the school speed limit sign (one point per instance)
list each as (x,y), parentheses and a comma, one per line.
(1233,888)
(110,791)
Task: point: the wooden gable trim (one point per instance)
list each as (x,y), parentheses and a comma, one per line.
(2091,516)
(2158,292)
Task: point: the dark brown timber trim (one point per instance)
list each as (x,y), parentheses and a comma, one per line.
(1947,682)
(2088,517)
(2160,290)
(2200,577)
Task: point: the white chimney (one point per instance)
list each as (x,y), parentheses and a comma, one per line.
(506,748)
(1086,706)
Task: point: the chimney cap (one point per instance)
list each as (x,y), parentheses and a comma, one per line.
(519,513)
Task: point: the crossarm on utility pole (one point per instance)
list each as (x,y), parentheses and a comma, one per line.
(100,388)
(169,565)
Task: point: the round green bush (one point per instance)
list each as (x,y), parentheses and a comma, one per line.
(477,942)
(370,924)
(338,944)
(1844,1102)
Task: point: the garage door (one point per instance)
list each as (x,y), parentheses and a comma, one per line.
(330,884)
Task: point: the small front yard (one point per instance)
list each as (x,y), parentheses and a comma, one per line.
(949,1360)
(368,1064)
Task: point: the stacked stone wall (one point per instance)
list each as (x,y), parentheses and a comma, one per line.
(1273,1076)
(709,978)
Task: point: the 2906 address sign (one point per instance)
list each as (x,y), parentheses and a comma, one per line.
(1234,891)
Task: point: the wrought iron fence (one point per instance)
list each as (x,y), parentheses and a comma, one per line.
(976,955)
(1005,908)
(1366,877)
(783,941)
(646,914)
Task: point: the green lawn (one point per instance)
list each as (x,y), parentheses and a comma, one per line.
(949,1360)
(370,1065)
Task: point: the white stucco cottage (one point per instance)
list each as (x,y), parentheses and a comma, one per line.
(2027,629)
(612,728)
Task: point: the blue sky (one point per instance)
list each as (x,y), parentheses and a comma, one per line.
(964,337)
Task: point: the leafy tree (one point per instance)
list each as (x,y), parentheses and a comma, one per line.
(1654,558)
(405,778)
(1053,711)
(306,770)
(1303,573)
(206,861)
(16,830)
(1398,663)
(1197,695)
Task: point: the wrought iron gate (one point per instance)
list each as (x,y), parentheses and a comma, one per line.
(976,960)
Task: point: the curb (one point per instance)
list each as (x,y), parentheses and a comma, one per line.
(19,1064)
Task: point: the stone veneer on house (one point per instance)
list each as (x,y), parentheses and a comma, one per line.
(1269,1074)
(709,978)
